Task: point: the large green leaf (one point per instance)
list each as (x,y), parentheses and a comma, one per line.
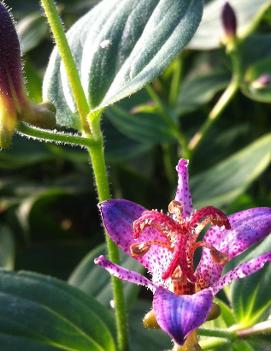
(220,184)
(210,32)
(43,313)
(251,297)
(96,282)
(119,47)
(200,90)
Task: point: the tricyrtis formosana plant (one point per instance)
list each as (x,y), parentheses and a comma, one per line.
(130,72)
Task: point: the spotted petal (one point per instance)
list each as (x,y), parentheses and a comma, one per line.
(242,270)
(118,217)
(183,194)
(248,228)
(178,315)
(123,273)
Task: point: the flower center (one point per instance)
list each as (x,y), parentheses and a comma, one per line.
(179,236)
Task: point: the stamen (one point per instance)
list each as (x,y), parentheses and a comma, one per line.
(175,208)
(161,222)
(218,256)
(214,217)
(140,249)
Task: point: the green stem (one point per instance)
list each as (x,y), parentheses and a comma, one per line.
(177,133)
(54,136)
(175,82)
(223,101)
(96,153)
(68,60)
(213,344)
(262,328)
(217,333)
(90,124)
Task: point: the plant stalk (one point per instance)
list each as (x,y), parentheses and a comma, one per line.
(224,100)
(68,60)
(90,126)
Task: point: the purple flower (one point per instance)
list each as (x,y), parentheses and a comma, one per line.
(165,244)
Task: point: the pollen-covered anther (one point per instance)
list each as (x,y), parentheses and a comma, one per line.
(210,215)
(175,208)
(218,256)
(140,249)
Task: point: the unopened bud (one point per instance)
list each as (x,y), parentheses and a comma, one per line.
(150,321)
(10,76)
(261,82)
(229,21)
(14,103)
(214,312)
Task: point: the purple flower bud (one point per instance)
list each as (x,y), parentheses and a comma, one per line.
(11,78)
(261,82)
(229,20)
(14,103)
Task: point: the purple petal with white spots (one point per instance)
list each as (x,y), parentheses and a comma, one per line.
(118,217)
(123,273)
(241,271)
(178,315)
(183,194)
(248,228)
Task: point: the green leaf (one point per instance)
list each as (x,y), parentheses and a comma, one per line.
(96,282)
(148,128)
(119,47)
(222,183)
(242,346)
(200,90)
(210,32)
(43,313)
(32,29)
(250,297)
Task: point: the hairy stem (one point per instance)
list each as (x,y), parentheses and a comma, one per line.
(54,136)
(90,125)
(96,153)
(262,328)
(68,60)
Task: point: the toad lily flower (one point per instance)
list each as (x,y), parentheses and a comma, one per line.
(165,244)
(14,104)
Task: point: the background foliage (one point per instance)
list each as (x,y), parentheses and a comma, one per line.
(48,214)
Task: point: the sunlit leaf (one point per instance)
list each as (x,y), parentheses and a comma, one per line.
(119,47)
(251,296)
